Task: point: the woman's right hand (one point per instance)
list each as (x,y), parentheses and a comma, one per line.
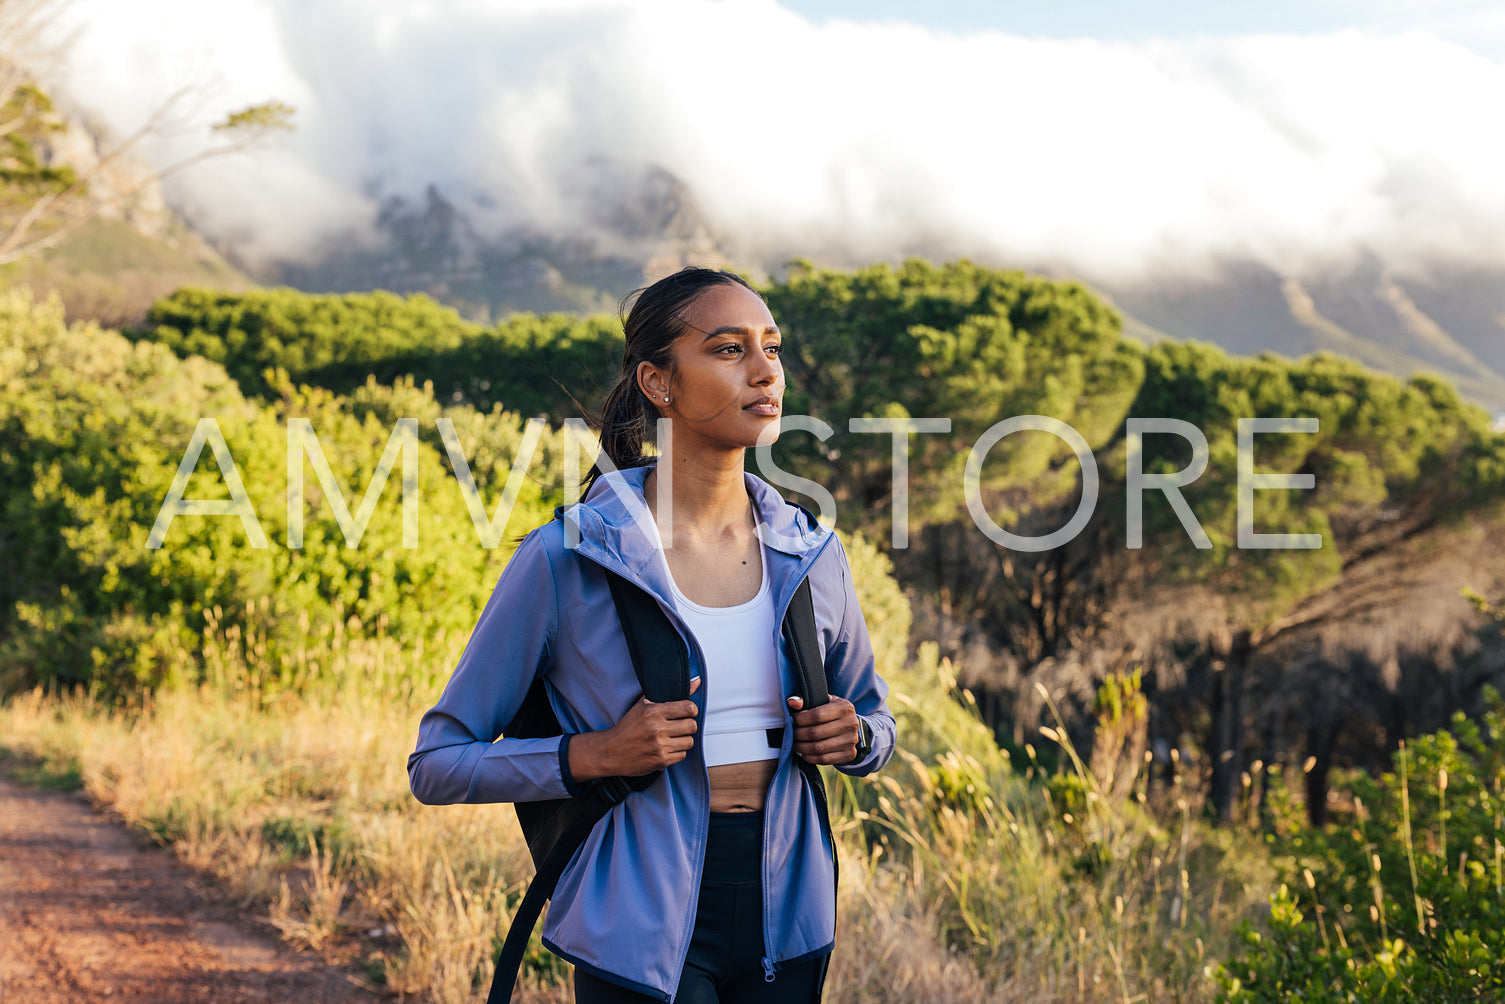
(649,737)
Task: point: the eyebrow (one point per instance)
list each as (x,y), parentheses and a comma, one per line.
(738,329)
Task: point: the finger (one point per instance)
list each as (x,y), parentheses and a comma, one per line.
(833,759)
(834,709)
(826,744)
(827,752)
(827,714)
(694,684)
(824,715)
(826,730)
(827,725)
(795,703)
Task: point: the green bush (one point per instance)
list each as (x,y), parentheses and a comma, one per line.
(1404,901)
(92,431)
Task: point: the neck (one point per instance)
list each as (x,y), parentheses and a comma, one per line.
(707,494)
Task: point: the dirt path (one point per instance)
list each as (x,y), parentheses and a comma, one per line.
(87,913)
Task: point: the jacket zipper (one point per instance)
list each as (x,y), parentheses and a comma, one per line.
(770,967)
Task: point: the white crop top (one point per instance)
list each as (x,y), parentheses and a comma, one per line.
(744,702)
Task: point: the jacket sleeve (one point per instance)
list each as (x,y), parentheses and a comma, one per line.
(851,673)
(459,757)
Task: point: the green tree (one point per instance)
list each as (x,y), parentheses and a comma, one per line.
(1392,462)
(553,365)
(958,341)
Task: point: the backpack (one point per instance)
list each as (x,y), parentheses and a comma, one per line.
(555,828)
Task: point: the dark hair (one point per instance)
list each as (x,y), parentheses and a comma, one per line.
(651,326)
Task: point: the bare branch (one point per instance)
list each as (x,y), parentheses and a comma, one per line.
(65,209)
(38,244)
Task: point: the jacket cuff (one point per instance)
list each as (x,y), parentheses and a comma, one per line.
(564,767)
(873,735)
(876,756)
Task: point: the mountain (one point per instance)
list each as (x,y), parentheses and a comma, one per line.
(1450,322)
(638,225)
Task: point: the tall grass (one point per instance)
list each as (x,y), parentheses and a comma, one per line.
(1053,890)
(964,878)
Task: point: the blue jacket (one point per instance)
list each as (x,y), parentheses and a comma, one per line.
(625,906)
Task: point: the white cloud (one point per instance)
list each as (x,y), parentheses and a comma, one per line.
(840,139)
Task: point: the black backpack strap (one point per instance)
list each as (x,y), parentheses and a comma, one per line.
(592,806)
(662,664)
(804,646)
(799,630)
(658,652)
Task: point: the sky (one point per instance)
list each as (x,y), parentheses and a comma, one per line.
(1119,142)
(1477,25)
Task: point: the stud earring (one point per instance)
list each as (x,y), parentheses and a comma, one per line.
(666,400)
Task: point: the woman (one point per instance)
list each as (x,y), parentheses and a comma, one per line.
(716,883)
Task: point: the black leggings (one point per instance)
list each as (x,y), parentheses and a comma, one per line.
(725,962)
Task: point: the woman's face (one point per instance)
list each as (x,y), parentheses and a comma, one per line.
(727,388)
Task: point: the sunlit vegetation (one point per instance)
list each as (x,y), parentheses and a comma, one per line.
(1168,773)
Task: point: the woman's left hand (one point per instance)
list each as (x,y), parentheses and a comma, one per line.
(827,734)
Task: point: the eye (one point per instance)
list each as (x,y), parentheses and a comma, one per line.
(729,348)
(774,348)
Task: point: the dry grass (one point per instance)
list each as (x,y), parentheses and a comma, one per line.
(961,881)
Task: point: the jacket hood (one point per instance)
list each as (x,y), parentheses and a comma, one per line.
(612,524)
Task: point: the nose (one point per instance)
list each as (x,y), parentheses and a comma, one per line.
(769,372)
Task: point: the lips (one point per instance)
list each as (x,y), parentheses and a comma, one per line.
(764,406)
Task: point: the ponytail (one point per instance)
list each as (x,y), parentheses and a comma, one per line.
(622,427)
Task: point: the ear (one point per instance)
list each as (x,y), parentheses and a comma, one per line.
(653,382)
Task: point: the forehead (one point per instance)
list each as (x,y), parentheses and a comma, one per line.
(728,305)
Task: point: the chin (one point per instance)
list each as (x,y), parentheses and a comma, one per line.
(768,434)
